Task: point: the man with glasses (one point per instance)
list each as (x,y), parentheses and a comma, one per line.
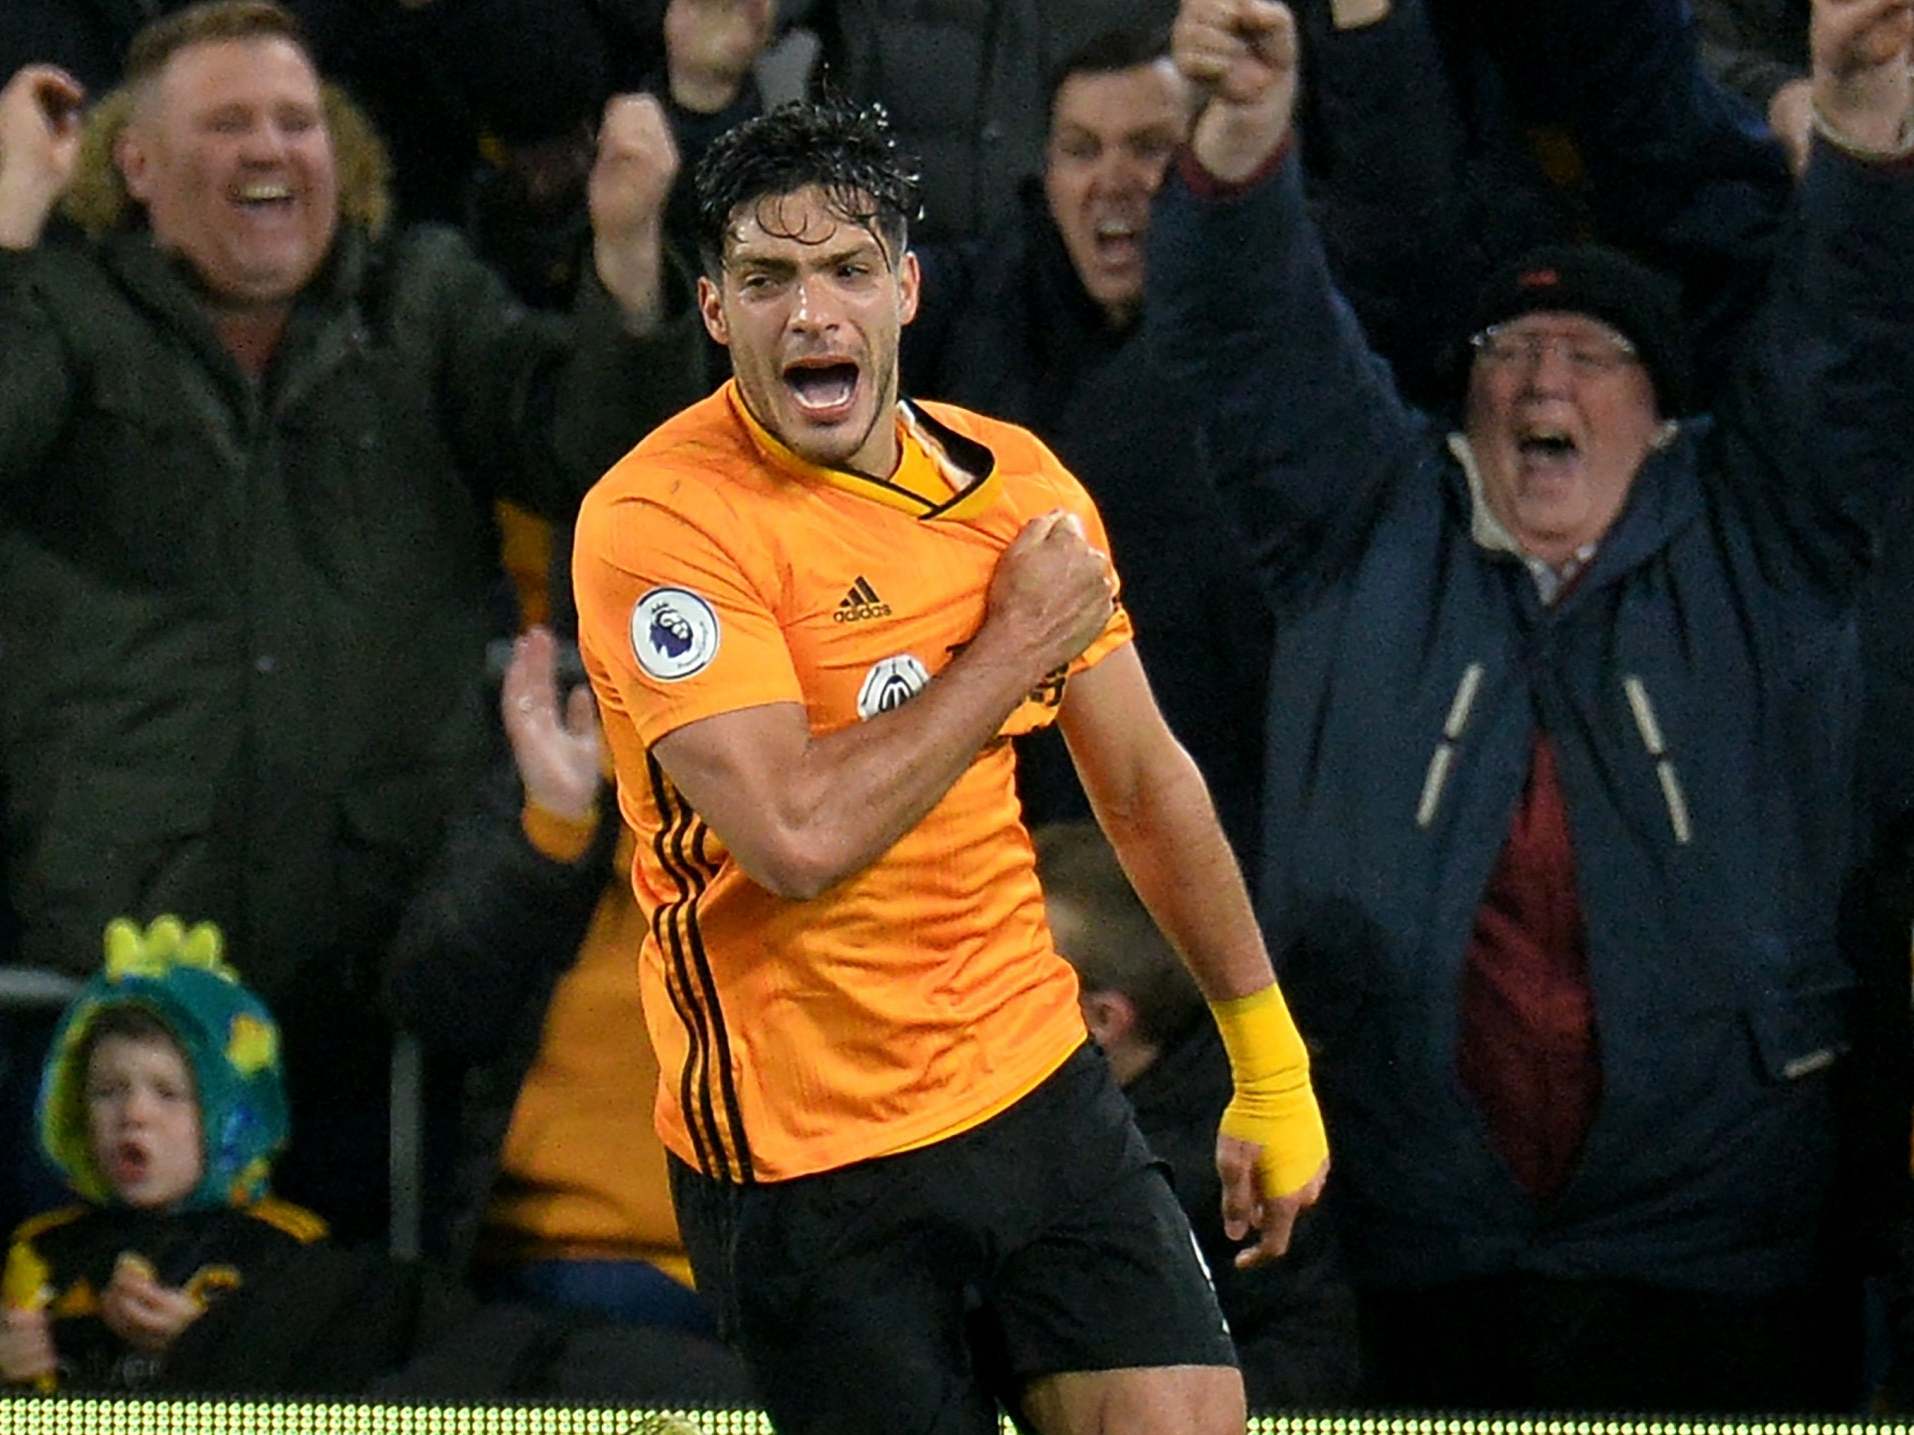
(1559,787)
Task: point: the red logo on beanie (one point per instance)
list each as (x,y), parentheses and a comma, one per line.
(1535,278)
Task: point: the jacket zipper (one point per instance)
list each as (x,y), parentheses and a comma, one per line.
(1650,731)
(1443,758)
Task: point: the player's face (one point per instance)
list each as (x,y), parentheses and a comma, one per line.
(1111,138)
(142,1120)
(811,305)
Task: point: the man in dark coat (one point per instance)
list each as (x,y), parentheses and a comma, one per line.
(250,445)
(1560,802)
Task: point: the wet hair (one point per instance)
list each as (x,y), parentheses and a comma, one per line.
(206,23)
(844,149)
(1121,949)
(1127,47)
(135,1023)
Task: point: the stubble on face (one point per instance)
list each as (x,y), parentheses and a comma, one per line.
(811,303)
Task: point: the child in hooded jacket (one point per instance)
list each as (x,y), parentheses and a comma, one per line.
(163,1103)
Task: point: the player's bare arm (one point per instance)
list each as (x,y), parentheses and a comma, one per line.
(801,812)
(1151,800)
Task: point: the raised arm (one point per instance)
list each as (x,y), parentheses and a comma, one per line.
(631,179)
(1822,400)
(39,147)
(1862,86)
(1151,802)
(1300,415)
(801,813)
(540,404)
(710,49)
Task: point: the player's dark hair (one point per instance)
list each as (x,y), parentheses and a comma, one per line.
(844,149)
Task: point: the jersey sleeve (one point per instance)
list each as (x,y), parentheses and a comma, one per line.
(674,625)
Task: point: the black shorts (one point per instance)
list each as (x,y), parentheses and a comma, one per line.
(917,1291)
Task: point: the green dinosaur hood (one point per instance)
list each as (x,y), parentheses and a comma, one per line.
(231,1044)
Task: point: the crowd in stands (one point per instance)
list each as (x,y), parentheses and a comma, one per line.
(1581,839)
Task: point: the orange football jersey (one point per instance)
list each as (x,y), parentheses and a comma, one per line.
(715,570)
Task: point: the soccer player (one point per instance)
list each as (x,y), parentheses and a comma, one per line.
(813,614)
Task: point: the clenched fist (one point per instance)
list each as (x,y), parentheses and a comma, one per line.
(1243,55)
(1052,591)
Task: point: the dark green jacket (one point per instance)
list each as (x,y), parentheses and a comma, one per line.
(242,625)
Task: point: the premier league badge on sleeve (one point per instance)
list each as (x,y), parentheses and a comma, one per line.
(674,633)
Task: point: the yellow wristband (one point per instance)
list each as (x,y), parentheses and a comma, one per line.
(1274,1106)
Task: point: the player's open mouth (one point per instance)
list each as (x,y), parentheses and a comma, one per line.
(823,390)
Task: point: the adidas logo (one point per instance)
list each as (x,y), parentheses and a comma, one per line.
(861,602)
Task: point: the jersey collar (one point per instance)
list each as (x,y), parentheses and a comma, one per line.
(941,474)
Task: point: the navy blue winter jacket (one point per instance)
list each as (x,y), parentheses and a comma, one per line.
(1699,685)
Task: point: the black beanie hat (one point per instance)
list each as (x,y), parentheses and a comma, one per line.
(1604,284)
